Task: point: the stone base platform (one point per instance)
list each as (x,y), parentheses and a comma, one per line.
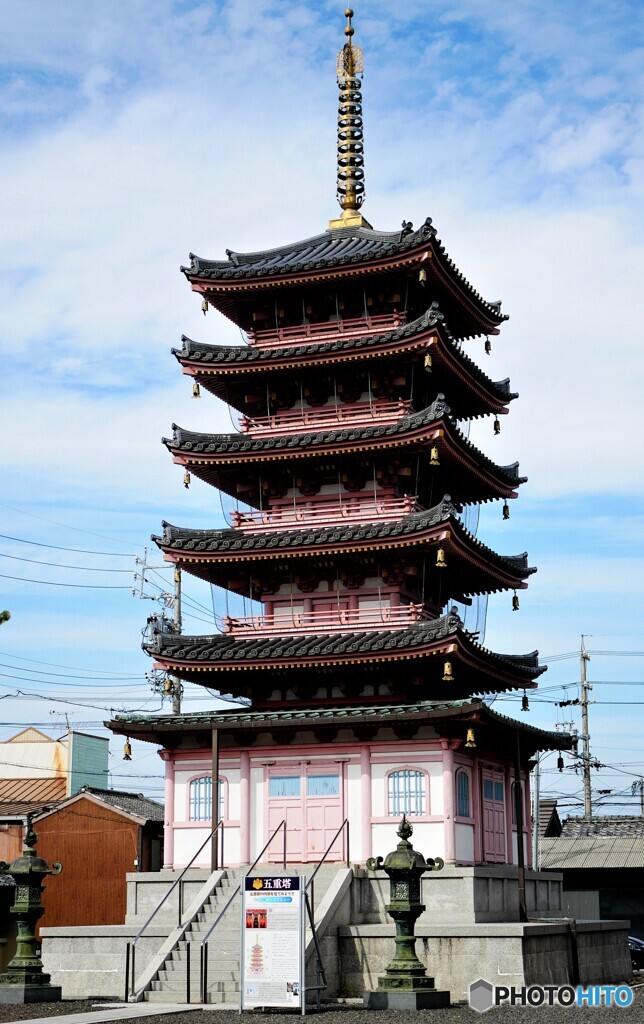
(429,999)
(19,995)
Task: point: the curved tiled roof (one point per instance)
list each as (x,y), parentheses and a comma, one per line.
(190,541)
(223,650)
(338,248)
(225,355)
(238,445)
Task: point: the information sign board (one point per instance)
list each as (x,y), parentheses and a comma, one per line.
(272,946)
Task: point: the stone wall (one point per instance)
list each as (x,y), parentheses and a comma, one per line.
(512,953)
(90,961)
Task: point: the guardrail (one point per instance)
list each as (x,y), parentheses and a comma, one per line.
(203,949)
(130,949)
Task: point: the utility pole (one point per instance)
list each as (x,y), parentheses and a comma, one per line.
(535,814)
(172,601)
(177,688)
(585,736)
(639,785)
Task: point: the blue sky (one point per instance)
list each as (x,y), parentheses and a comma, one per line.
(132,134)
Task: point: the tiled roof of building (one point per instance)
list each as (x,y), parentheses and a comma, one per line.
(244,716)
(220,541)
(132,803)
(21,796)
(610,826)
(238,445)
(223,649)
(338,248)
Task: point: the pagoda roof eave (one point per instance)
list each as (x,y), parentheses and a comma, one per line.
(427,331)
(196,550)
(339,253)
(201,450)
(188,656)
(162,728)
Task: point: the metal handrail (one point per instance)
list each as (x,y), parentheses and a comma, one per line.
(310,884)
(310,909)
(131,946)
(203,965)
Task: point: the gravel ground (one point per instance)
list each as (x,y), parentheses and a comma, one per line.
(355,1014)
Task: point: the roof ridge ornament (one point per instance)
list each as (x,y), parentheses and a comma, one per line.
(349,70)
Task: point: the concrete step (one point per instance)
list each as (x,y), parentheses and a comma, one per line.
(177,979)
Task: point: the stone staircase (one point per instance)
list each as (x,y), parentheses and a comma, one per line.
(170,982)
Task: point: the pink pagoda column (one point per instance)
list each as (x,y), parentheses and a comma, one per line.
(448,801)
(365,796)
(168,812)
(244,811)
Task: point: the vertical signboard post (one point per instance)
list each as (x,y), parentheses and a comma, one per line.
(272,942)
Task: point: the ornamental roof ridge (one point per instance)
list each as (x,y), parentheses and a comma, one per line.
(224,648)
(389,242)
(194,349)
(332,248)
(198,443)
(185,539)
(185,439)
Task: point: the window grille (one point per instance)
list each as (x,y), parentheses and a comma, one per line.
(462,794)
(201,799)
(407,794)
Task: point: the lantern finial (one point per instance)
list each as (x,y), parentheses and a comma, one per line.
(349,70)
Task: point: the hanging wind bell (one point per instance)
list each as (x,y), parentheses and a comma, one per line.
(447,672)
(488,346)
(470,741)
(167,686)
(560,763)
(440,559)
(433,456)
(204,306)
(497,426)
(515,602)
(428,362)
(506,510)
(186,479)
(127,751)
(196,390)
(525,703)
(422,276)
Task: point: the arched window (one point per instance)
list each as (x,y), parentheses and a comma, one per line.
(200,799)
(407,792)
(462,794)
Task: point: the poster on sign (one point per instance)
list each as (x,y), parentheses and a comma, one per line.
(272,948)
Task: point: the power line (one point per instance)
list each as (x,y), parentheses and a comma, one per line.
(82,586)
(74,529)
(61,565)
(57,547)
(52,664)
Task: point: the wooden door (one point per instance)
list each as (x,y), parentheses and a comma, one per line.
(493,790)
(285,804)
(323,813)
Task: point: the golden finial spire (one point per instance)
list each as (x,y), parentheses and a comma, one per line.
(349,70)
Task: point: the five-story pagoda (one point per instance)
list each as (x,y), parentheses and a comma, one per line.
(353,471)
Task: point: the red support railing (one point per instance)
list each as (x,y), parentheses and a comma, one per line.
(330,330)
(337,621)
(297,421)
(326,512)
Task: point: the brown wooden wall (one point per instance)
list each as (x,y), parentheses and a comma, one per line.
(11,840)
(97,846)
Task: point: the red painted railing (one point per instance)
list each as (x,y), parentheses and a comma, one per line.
(339,620)
(297,421)
(330,330)
(326,512)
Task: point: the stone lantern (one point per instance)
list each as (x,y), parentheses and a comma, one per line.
(25,980)
(405,984)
